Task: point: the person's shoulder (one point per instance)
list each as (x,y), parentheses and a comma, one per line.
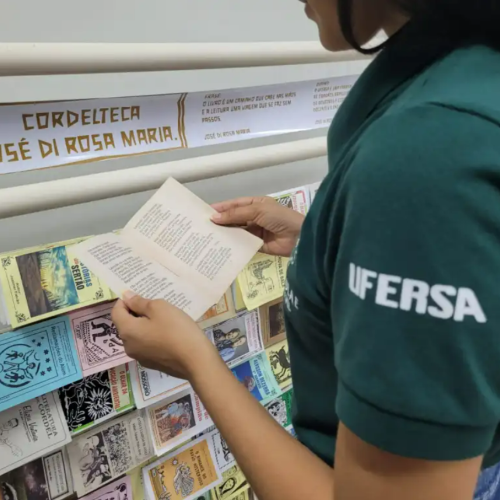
(435,140)
(439,140)
(428,151)
(466,80)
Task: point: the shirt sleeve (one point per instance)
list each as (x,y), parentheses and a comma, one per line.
(416,285)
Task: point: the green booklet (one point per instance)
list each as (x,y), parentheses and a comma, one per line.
(281,408)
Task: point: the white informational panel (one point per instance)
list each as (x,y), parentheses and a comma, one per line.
(155,21)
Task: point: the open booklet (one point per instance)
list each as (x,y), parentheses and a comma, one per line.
(171,250)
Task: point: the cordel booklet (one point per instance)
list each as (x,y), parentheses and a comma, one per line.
(171,250)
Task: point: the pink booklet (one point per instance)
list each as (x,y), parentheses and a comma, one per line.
(97,341)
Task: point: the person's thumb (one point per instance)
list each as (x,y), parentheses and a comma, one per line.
(237,216)
(137,304)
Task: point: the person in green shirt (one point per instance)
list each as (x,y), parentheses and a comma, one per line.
(392,300)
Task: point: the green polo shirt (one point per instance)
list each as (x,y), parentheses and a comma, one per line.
(393,293)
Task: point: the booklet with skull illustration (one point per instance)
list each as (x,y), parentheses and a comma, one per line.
(171,250)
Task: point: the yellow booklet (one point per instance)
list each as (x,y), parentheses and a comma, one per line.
(42,282)
(263,280)
(239,303)
(233,486)
(185,474)
(137,480)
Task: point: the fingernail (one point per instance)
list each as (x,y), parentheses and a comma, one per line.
(217,216)
(128,294)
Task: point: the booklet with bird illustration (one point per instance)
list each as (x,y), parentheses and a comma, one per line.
(171,250)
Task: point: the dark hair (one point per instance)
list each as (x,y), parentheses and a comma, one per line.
(457,21)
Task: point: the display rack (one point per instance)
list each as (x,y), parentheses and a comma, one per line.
(53,464)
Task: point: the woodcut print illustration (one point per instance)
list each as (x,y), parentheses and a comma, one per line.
(88,400)
(93,463)
(279,358)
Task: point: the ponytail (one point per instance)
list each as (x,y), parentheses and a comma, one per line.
(455,22)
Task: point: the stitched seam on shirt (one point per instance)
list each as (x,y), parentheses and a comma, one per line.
(461,110)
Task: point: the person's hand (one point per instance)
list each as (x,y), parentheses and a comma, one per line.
(263,216)
(162,337)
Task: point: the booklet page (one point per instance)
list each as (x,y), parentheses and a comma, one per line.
(174,228)
(122,267)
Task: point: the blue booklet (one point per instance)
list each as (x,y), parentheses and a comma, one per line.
(257,376)
(35,360)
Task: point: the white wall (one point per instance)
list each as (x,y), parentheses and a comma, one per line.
(151,21)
